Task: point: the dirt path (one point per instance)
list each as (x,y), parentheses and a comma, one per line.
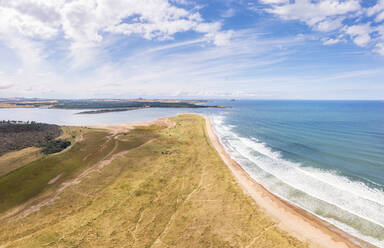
(26,210)
(159,241)
(46,199)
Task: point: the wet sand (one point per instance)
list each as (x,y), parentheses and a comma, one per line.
(296,221)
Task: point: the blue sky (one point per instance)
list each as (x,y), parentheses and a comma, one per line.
(251,49)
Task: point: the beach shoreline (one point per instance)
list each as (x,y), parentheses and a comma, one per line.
(297,225)
(294,220)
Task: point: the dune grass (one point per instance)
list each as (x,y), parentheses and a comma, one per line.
(16,159)
(26,182)
(167,188)
(73,134)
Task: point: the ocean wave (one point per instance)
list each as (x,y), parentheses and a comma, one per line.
(352,206)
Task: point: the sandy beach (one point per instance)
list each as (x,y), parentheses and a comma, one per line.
(202,192)
(160,185)
(294,220)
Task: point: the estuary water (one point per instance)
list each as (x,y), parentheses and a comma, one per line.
(70,117)
(326,157)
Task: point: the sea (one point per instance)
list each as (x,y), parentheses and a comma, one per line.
(326,157)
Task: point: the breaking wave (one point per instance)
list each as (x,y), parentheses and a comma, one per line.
(353,206)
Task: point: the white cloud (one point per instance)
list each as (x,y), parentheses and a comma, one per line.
(229,13)
(4,86)
(329,25)
(336,18)
(220,38)
(376,8)
(182,2)
(379,48)
(84,23)
(350,74)
(380,17)
(313,12)
(163,71)
(331,41)
(274,1)
(360,34)
(13,22)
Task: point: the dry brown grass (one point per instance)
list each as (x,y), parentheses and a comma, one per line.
(171,191)
(16,159)
(73,134)
(12,105)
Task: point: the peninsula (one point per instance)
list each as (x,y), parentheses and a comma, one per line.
(98,106)
(166,183)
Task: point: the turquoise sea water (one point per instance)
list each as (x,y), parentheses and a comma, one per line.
(326,157)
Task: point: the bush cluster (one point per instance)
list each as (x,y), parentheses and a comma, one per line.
(16,135)
(55,146)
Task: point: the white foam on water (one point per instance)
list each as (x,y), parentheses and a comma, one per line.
(350,205)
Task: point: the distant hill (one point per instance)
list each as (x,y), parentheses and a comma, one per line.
(15,135)
(109,104)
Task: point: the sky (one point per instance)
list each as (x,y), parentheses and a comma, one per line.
(192,49)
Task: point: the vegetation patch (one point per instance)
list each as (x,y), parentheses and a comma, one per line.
(106,104)
(102,111)
(168,187)
(55,146)
(16,159)
(16,135)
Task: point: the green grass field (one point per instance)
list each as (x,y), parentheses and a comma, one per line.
(16,159)
(159,187)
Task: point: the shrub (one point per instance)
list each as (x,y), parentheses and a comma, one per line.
(55,146)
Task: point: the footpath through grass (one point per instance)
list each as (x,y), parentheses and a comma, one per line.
(173,190)
(28,181)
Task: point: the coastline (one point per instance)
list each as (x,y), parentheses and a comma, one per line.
(243,227)
(168,178)
(296,221)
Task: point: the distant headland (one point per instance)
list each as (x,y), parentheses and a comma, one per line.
(97,106)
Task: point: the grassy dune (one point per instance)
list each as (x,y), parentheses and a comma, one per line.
(16,159)
(160,187)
